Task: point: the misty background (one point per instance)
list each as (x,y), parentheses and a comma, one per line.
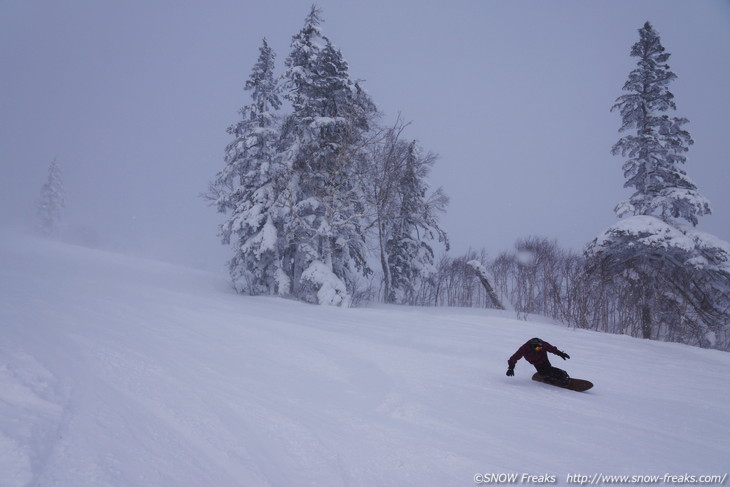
(133,99)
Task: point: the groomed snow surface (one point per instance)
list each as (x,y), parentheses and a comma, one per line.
(117,371)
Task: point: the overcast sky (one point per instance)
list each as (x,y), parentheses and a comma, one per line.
(134,97)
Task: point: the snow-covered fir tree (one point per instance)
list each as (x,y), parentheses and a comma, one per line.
(673,280)
(323,140)
(657,143)
(249,187)
(52,201)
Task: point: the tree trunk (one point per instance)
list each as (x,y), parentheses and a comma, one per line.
(646,314)
(387,285)
(482,275)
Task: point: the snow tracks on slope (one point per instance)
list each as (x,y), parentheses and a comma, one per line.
(31,417)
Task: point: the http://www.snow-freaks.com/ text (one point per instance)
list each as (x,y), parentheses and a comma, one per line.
(600,479)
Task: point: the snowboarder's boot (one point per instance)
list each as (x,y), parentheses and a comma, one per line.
(548,378)
(557,376)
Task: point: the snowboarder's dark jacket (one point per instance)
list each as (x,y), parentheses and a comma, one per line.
(534,357)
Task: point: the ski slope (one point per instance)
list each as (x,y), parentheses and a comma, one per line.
(117,371)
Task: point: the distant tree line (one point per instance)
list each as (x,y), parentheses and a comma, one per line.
(540,278)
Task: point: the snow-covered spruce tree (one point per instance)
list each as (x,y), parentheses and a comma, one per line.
(52,201)
(322,141)
(674,278)
(250,186)
(657,143)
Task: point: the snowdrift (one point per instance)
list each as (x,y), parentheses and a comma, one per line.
(117,371)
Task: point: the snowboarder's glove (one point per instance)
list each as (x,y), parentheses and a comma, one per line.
(562,355)
(510,372)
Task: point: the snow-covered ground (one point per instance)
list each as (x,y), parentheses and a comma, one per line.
(116,371)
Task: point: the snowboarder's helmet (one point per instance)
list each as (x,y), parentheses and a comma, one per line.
(536,344)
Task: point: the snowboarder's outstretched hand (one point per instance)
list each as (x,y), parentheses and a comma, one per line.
(510,372)
(562,355)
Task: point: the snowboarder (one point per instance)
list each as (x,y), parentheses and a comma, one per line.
(535,351)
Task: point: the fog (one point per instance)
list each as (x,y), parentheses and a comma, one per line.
(133,99)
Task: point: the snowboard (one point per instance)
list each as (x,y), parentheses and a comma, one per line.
(578,385)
